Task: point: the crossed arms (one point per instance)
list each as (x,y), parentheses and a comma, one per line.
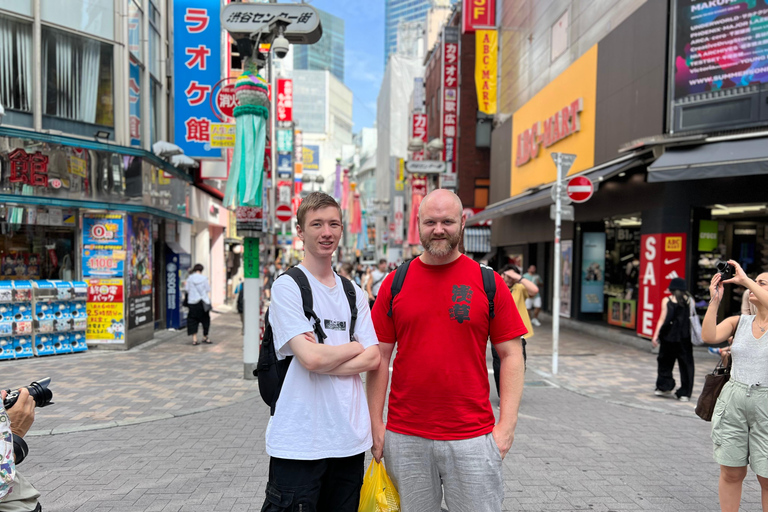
(348,359)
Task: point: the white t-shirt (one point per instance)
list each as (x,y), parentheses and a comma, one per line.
(318,416)
(377,277)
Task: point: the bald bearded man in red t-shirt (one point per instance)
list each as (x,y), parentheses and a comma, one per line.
(441,434)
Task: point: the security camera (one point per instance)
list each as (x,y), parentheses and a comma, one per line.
(281,46)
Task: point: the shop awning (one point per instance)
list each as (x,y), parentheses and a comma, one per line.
(542,195)
(714,160)
(477,240)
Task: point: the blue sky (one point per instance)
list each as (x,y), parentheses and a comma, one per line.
(363,52)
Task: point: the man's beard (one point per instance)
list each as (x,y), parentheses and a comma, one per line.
(441,248)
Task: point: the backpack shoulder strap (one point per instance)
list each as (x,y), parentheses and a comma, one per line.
(397,283)
(351,294)
(489,285)
(306,299)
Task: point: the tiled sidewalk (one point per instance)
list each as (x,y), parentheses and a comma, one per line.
(101,389)
(610,371)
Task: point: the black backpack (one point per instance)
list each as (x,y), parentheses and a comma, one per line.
(271,372)
(489,285)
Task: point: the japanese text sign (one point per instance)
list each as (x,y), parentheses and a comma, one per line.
(106,323)
(28,169)
(284,99)
(450,110)
(419,130)
(478,13)
(197,69)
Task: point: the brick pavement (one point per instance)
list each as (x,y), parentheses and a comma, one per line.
(573,451)
(609,371)
(101,389)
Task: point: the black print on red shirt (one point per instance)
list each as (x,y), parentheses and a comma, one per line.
(462,297)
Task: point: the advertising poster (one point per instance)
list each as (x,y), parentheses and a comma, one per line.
(662,258)
(103,245)
(105,308)
(311,158)
(566,266)
(707,235)
(719,45)
(622,312)
(139,256)
(140,311)
(592,272)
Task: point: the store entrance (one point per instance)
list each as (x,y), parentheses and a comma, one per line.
(622,270)
(36,252)
(738,232)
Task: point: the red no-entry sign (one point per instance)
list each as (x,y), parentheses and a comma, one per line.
(283,212)
(580,189)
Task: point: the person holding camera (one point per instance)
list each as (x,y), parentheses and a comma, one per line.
(740,419)
(16,493)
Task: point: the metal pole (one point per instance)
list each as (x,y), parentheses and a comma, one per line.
(556,281)
(252,307)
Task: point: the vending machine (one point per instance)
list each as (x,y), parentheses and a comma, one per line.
(177,263)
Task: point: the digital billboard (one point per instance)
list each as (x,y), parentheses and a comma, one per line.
(719,60)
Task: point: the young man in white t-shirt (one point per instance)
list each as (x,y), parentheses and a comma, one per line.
(321,428)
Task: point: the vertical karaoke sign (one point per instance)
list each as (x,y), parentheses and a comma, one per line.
(197,69)
(450,110)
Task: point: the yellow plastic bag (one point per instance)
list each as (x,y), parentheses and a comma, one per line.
(378,493)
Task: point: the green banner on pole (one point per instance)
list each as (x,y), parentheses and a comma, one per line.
(251,258)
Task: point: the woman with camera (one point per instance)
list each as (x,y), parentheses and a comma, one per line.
(740,419)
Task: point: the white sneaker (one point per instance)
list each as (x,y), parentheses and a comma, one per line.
(684,398)
(535,321)
(658,392)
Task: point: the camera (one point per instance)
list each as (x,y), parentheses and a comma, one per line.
(38,390)
(725,270)
(280,45)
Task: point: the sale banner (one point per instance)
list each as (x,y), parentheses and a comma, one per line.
(105,307)
(662,258)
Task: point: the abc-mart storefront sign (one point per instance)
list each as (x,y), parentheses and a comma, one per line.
(558,126)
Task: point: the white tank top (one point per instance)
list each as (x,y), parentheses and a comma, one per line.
(750,354)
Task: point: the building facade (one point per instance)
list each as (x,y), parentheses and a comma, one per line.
(328,52)
(399,11)
(86,198)
(678,186)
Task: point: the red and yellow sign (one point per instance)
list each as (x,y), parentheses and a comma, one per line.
(478,13)
(560,118)
(106,323)
(486,69)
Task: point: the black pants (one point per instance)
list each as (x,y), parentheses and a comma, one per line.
(325,485)
(198,315)
(669,352)
(497,366)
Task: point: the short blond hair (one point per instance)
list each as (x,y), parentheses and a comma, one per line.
(315,201)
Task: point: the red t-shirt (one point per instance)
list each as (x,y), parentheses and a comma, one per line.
(440,322)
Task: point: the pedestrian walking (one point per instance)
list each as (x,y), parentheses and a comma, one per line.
(740,419)
(199,302)
(441,436)
(673,331)
(239,292)
(375,280)
(321,428)
(533,303)
(520,288)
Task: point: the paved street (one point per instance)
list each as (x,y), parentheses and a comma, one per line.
(172,427)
